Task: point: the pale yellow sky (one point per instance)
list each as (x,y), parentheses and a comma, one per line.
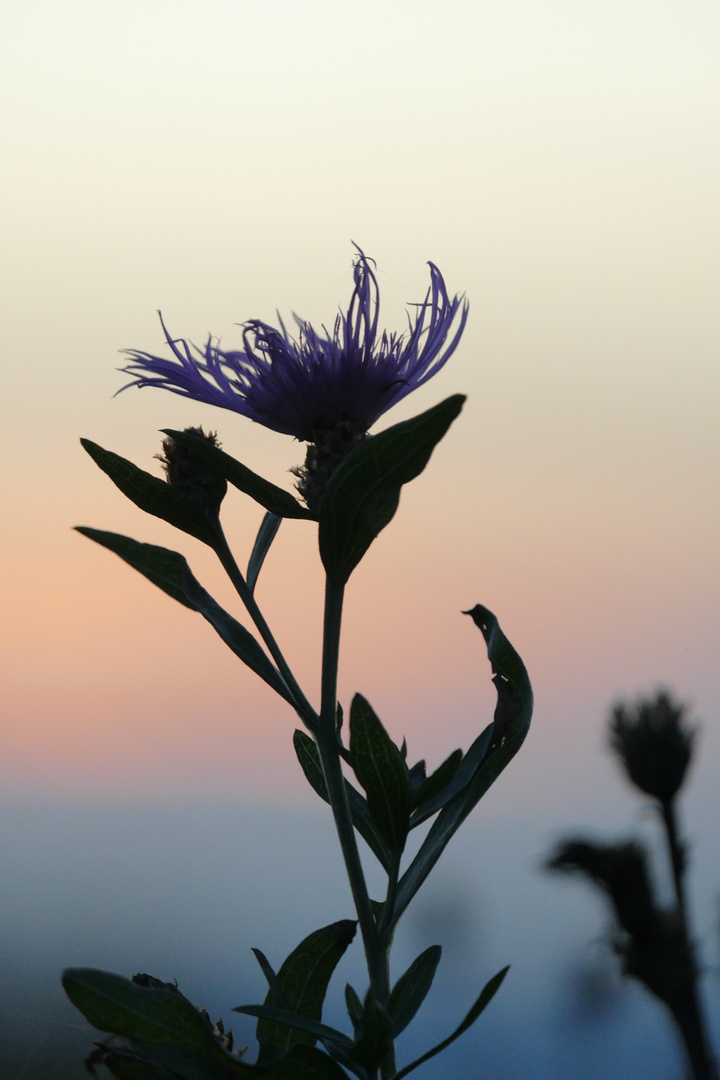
(560,162)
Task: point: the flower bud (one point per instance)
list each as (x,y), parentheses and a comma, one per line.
(191,474)
(654,744)
(330,444)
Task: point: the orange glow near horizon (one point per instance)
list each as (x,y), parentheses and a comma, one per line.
(562,171)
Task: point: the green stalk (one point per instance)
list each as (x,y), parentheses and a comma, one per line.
(376,951)
(330,757)
(386,930)
(387,923)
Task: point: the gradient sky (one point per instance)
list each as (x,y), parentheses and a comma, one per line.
(560,162)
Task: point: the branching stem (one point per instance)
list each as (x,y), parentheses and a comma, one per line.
(302,706)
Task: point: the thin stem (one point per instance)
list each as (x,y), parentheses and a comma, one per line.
(330,758)
(385,933)
(677,859)
(376,950)
(685,1006)
(387,923)
(303,707)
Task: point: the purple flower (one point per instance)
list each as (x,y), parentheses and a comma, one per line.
(320,382)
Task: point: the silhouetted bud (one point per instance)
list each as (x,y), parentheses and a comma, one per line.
(192,475)
(654,744)
(329,445)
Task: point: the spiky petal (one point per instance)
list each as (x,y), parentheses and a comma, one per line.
(317,382)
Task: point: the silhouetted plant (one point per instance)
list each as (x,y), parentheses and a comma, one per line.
(655,746)
(325,389)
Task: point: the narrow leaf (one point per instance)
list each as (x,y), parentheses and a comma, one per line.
(275,499)
(488,993)
(515,697)
(288,1019)
(266,534)
(272,979)
(163,567)
(461,777)
(309,758)
(235,636)
(412,988)
(505,737)
(363,493)
(354,1008)
(436,783)
(153,495)
(303,980)
(171,573)
(379,766)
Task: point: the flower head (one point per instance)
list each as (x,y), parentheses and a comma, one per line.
(317,382)
(654,743)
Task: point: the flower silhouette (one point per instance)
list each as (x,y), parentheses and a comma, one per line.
(316,383)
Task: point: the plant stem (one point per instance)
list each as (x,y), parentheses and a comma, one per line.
(376,950)
(388,921)
(677,859)
(302,706)
(685,1006)
(330,758)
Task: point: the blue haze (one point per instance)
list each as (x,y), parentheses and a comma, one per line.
(184,892)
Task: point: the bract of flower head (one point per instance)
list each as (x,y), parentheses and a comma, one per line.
(317,382)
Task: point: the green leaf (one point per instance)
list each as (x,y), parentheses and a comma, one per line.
(266,534)
(442,776)
(287,1019)
(438,780)
(309,758)
(380,768)
(303,980)
(171,573)
(412,988)
(153,495)
(275,499)
(486,996)
(363,493)
(161,1023)
(505,737)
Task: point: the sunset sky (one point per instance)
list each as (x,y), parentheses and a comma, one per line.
(560,163)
